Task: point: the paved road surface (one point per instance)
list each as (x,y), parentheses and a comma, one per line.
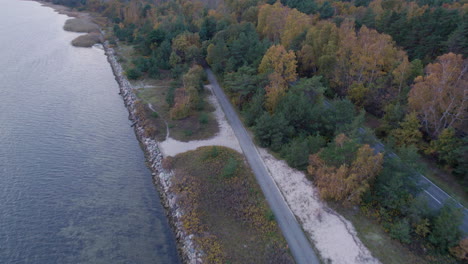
(298,243)
(435,196)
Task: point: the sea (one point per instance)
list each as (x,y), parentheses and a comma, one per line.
(74,187)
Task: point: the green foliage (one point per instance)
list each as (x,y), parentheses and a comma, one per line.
(254,109)
(230,168)
(244,83)
(408,133)
(154,115)
(296,153)
(297,110)
(445,233)
(270,216)
(188,132)
(203,118)
(393,188)
(337,154)
(423,36)
(134,74)
(272,131)
(410,156)
(208,28)
(394,114)
(236,46)
(125,33)
(214,152)
(446,146)
(170,96)
(326,10)
(308,7)
(401,231)
(461,169)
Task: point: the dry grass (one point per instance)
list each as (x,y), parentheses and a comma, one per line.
(227,211)
(80,25)
(87,40)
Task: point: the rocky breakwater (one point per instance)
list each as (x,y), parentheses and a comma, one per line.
(161,177)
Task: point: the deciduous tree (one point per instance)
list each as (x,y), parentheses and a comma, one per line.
(440,98)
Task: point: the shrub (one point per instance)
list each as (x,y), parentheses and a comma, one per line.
(203,118)
(188,132)
(154,115)
(445,232)
(133,74)
(230,168)
(401,231)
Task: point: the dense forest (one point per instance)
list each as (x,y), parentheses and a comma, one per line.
(305,75)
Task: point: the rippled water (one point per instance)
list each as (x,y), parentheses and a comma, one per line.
(73,184)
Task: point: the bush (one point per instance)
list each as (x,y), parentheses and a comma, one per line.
(230,168)
(188,132)
(445,232)
(401,231)
(154,115)
(296,153)
(170,96)
(203,118)
(133,74)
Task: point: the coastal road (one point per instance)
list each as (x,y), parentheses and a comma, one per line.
(435,196)
(298,243)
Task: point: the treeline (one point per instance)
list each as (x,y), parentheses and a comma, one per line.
(303,72)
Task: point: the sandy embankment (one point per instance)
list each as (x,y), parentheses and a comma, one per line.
(334,237)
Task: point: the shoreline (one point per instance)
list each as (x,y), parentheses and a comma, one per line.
(161,178)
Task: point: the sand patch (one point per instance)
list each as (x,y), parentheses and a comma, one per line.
(334,236)
(225,136)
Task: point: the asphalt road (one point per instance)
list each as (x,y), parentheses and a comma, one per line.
(298,243)
(434,195)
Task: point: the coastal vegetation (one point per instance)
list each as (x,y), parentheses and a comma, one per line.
(307,78)
(224,208)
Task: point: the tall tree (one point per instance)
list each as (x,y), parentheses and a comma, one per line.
(346,183)
(440,98)
(281,67)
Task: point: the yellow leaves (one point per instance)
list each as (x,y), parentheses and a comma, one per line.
(357,93)
(296,23)
(281,23)
(422,228)
(346,183)
(281,65)
(440,97)
(461,250)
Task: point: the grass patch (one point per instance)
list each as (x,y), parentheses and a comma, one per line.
(80,25)
(225,209)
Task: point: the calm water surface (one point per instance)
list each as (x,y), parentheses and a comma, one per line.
(73,184)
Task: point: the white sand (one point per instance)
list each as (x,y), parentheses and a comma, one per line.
(225,136)
(333,235)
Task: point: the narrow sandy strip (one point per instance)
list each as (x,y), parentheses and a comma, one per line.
(225,136)
(334,236)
